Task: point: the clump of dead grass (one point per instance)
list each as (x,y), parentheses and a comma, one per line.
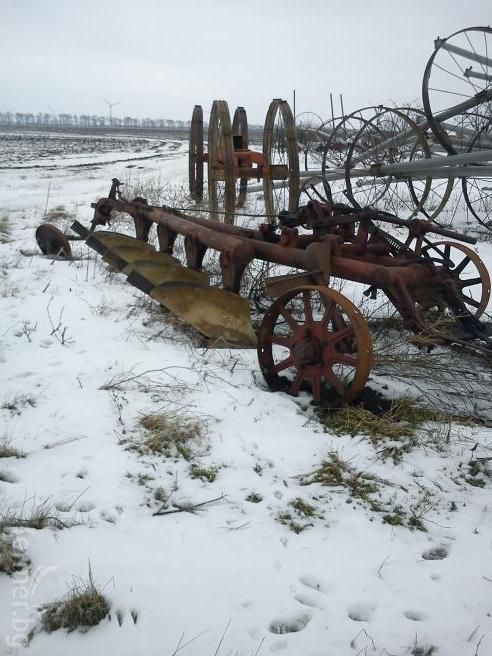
(299,516)
(34,515)
(336,472)
(7,450)
(5,229)
(397,429)
(11,559)
(83,607)
(172,433)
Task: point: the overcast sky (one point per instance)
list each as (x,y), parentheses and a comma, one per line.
(158,58)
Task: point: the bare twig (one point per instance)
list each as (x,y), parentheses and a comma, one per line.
(189,507)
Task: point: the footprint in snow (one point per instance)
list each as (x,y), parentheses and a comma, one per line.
(314,583)
(415,615)
(291,624)
(308,600)
(361,612)
(436,553)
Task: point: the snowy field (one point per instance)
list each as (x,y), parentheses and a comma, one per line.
(274,563)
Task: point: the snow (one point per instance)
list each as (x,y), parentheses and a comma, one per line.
(228,578)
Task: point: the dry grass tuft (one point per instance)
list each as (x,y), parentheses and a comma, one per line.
(395,430)
(335,472)
(40,516)
(9,451)
(84,607)
(11,559)
(171,434)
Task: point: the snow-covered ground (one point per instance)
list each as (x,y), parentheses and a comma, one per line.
(84,357)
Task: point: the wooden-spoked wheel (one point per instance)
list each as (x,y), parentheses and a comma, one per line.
(470,274)
(313,336)
(195,155)
(241,142)
(281,155)
(221,181)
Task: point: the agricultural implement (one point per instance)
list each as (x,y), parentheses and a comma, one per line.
(231,163)
(368,176)
(311,337)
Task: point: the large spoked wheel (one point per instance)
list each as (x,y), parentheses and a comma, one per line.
(477,191)
(316,338)
(241,142)
(468,271)
(387,138)
(457,87)
(195,156)
(335,154)
(281,155)
(221,180)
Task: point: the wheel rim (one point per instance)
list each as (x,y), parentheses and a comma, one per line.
(240,133)
(195,156)
(221,181)
(378,142)
(280,148)
(477,191)
(468,271)
(315,336)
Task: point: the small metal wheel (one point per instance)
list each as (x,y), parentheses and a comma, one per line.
(468,271)
(477,191)
(389,137)
(241,142)
(221,181)
(195,155)
(52,241)
(314,336)
(281,181)
(456,88)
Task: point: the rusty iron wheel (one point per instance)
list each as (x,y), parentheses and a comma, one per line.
(241,141)
(314,336)
(221,180)
(195,155)
(469,272)
(52,241)
(280,148)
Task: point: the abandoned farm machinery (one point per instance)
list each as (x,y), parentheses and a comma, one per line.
(359,198)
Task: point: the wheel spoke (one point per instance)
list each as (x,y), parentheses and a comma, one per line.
(279,340)
(283,364)
(315,380)
(334,381)
(296,383)
(468,300)
(345,358)
(308,311)
(470,281)
(328,313)
(461,266)
(344,333)
(287,315)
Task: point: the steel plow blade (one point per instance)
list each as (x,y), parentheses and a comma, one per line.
(157,268)
(101,241)
(122,255)
(223,317)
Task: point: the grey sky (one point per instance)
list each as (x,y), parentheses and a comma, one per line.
(158,58)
